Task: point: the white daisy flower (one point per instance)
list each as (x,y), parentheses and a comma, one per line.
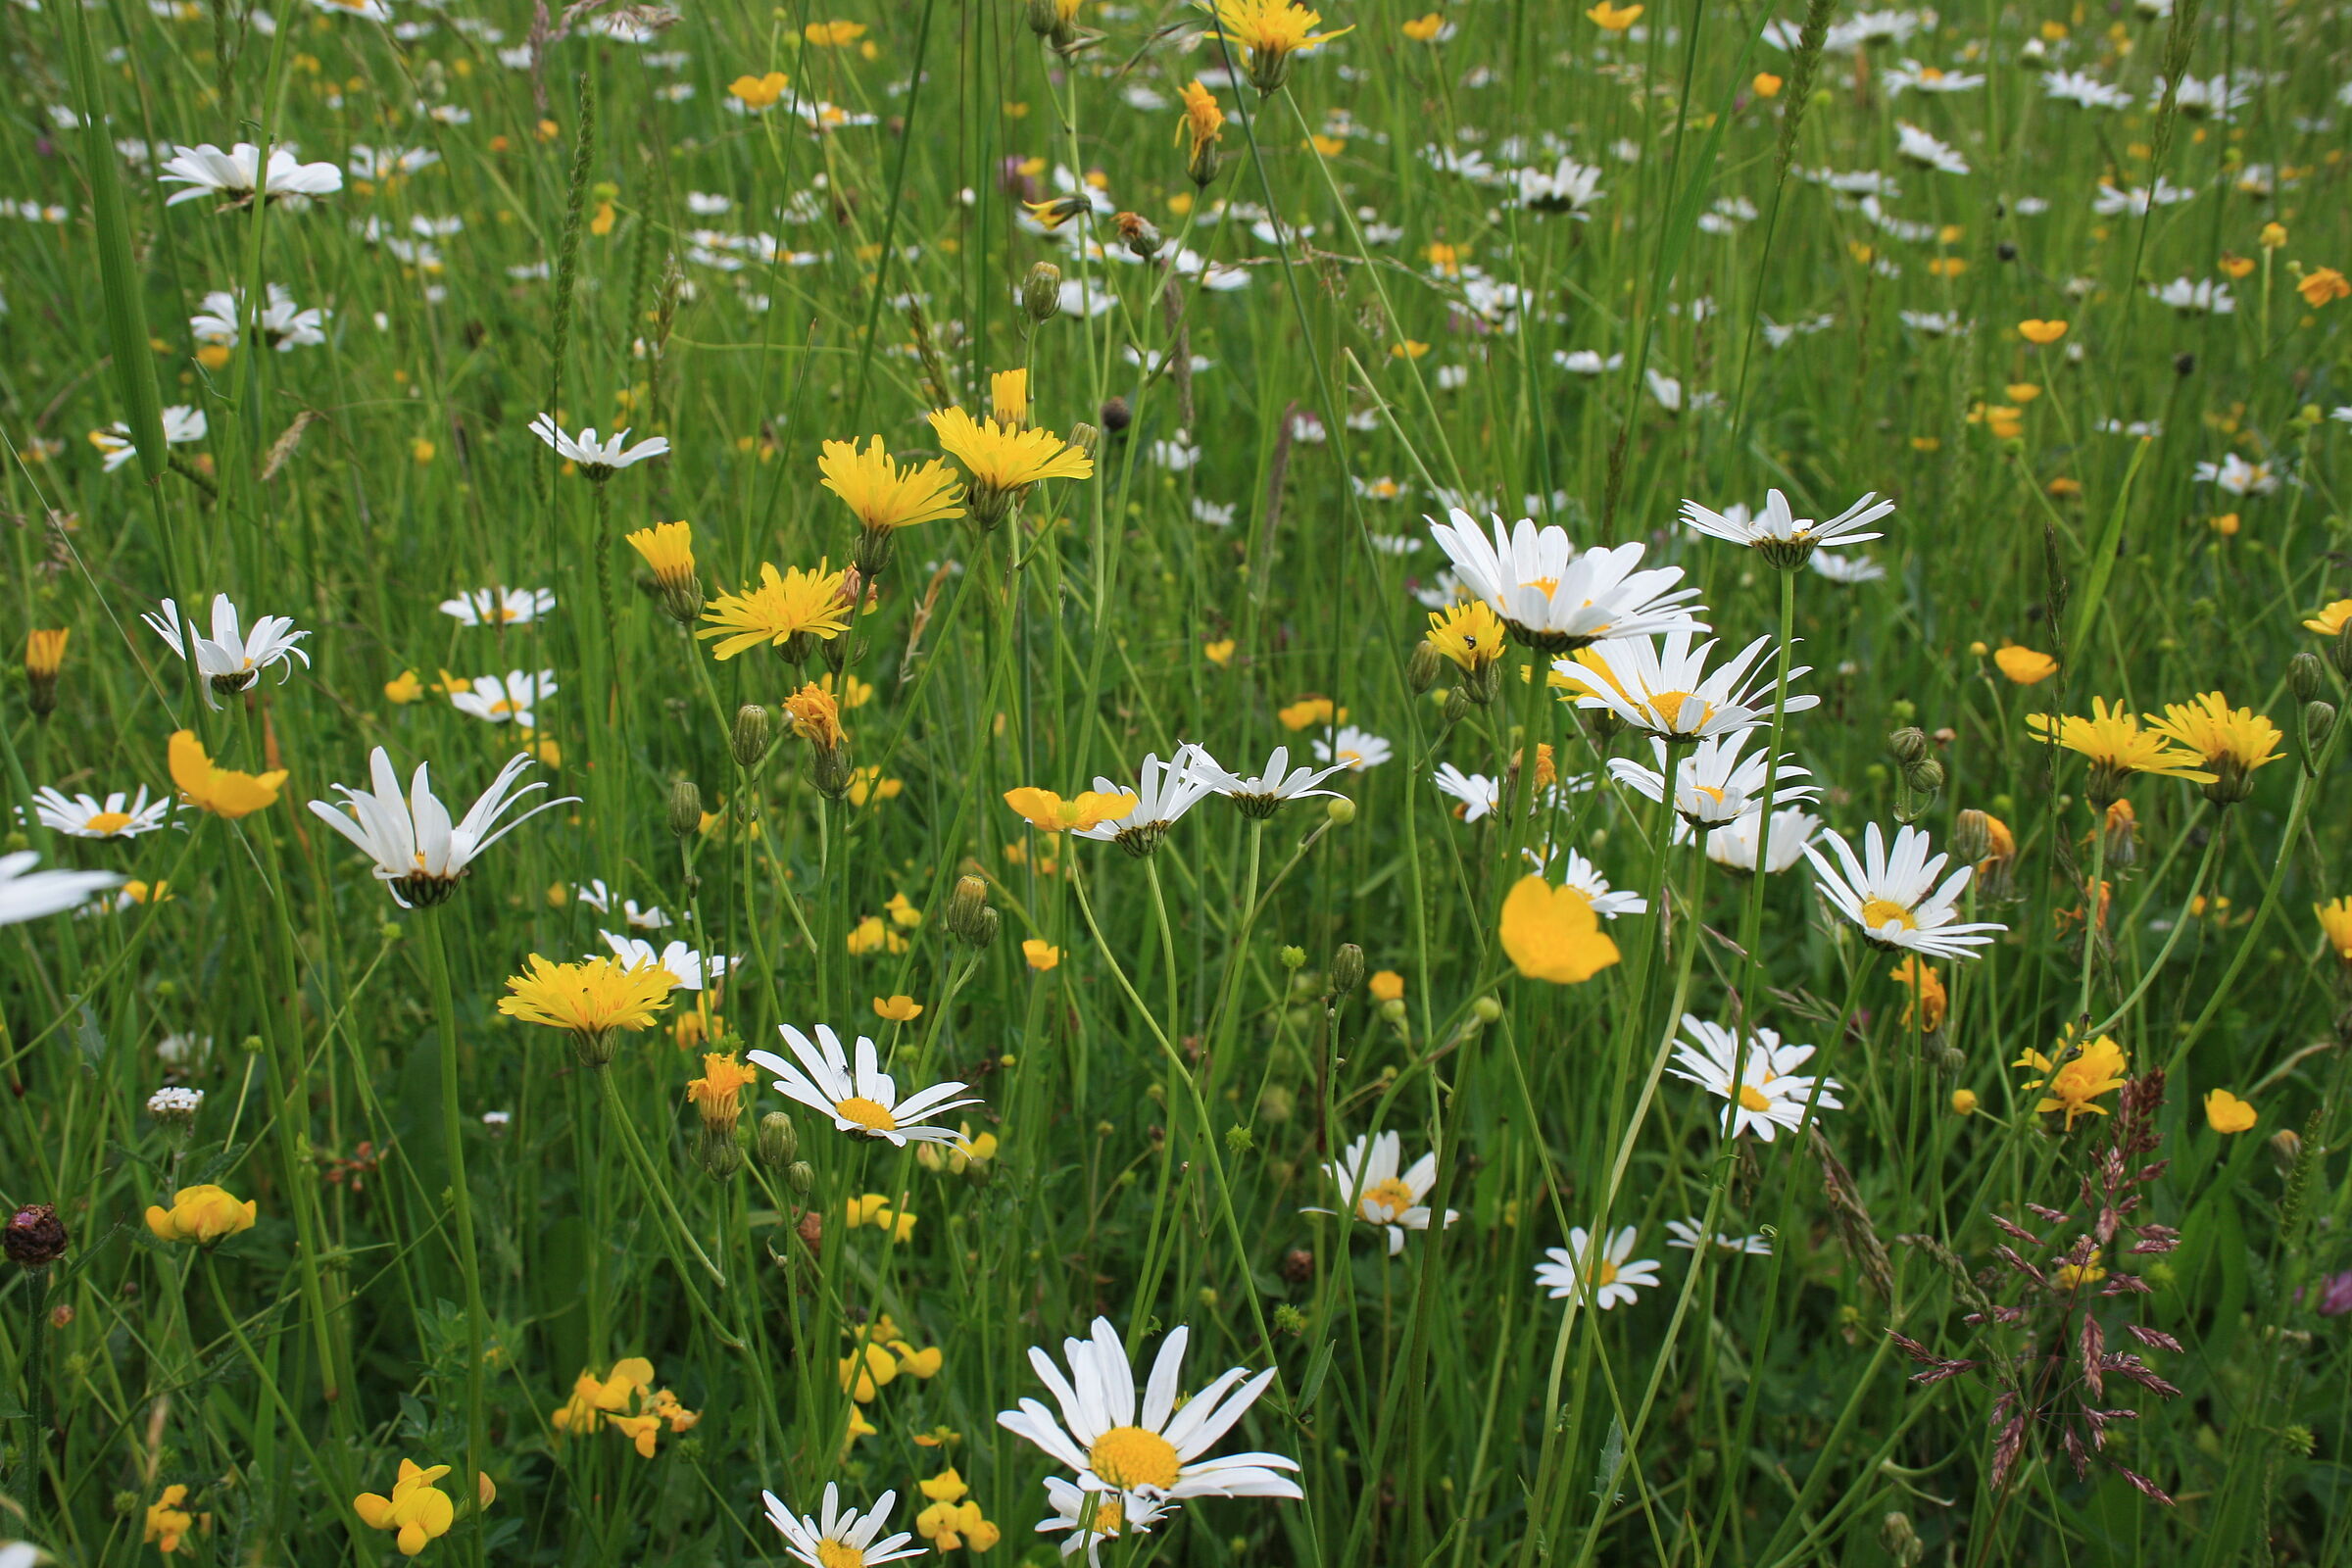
(1761,1084)
(183,424)
(2203,297)
(2238,476)
(840,1538)
(1164,792)
(285,327)
(1263,794)
(27,895)
(1155,1452)
(1095,1517)
(1685,1234)
(597,458)
(1782,537)
(2081,88)
(418,852)
(1352,749)
(230,659)
(1917,146)
(1375,1192)
(1555,597)
(1733,846)
(512,699)
(864,1101)
(1480,795)
(500,607)
(1574,870)
(85,816)
(1568,187)
(2138,199)
(1895,899)
(1615,1277)
(1662,687)
(1850,570)
(1713,783)
(686,967)
(237,173)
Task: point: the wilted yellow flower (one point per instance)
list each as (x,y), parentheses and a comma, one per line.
(718,1093)
(815,716)
(1927,996)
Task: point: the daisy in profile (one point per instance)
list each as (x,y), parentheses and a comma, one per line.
(1612,1274)
(1915,146)
(1156,1450)
(1686,1233)
(598,460)
(1663,687)
(1733,845)
(1164,792)
(418,852)
(1783,538)
(1375,1191)
(1895,899)
(1848,571)
(285,327)
(1263,794)
(1555,598)
(511,700)
(1352,749)
(239,174)
(1095,1517)
(839,1538)
(1761,1082)
(594,895)
(26,894)
(1713,783)
(85,816)
(500,607)
(230,658)
(1476,793)
(687,966)
(183,424)
(863,1099)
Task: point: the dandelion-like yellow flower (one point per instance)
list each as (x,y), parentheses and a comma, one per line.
(1270,32)
(815,716)
(592,1000)
(1005,462)
(883,494)
(44,656)
(2074,1082)
(1008,398)
(1552,933)
(2335,921)
(2117,748)
(2233,742)
(1202,125)
(717,1095)
(1049,813)
(1471,635)
(1929,998)
(669,549)
(222,791)
(202,1213)
(785,607)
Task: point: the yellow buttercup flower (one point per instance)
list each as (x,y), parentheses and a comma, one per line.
(2233,742)
(204,1215)
(785,609)
(1613,18)
(1552,933)
(2074,1082)
(1424,30)
(2336,920)
(2024,665)
(1004,461)
(404,688)
(759,92)
(884,494)
(222,791)
(833,35)
(1040,954)
(591,999)
(1270,32)
(2329,622)
(2040,333)
(899,1008)
(2117,748)
(1049,813)
(2225,1112)
(1307,710)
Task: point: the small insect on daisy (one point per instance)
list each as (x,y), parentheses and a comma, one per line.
(1377,1192)
(840,1537)
(1613,1278)
(1895,899)
(861,1099)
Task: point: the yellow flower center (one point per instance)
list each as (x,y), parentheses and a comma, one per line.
(866,1113)
(1549,585)
(1384,1201)
(1710,790)
(108,822)
(503,707)
(1130,1457)
(1879,913)
(837,1554)
(1753,1099)
(1607,1274)
(1673,711)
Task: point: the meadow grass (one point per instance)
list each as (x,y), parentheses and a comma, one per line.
(318,1174)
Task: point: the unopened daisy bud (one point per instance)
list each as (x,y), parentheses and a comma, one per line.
(1346,969)
(1972,837)
(750,739)
(2318,720)
(1139,234)
(1339,810)
(2305,676)
(800,1175)
(1427,663)
(44,656)
(685,809)
(965,905)
(1040,293)
(779,1140)
(2287,1149)
(1908,746)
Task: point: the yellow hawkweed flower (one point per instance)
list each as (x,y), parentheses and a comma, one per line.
(203,1213)
(168,1523)
(1008,398)
(793,604)
(2117,747)
(883,494)
(1049,813)
(2076,1080)
(2225,1112)
(1005,462)
(2024,665)
(592,1000)
(2328,622)
(2233,742)
(1927,990)
(222,791)
(1270,32)
(1553,934)
(417,1509)
(815,716)
(1613,18)
(2336,920)
(44,656)
(669,549)
(718,1093)
(1204,122)
(1470,634)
